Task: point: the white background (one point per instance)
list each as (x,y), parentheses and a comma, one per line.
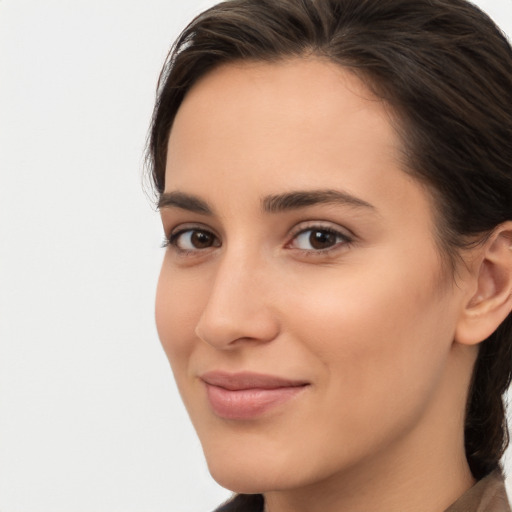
(90,419)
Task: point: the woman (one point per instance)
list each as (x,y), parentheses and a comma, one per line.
(335,184)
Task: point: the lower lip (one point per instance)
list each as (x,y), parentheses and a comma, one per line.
(245,404)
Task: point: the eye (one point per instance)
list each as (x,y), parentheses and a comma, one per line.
(319,239)
(188,240)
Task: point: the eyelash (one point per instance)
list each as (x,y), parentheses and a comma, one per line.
(344,240)
(173,238)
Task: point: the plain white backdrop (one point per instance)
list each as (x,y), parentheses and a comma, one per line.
(90,420)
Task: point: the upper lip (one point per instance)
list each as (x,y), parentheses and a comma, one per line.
(248,380)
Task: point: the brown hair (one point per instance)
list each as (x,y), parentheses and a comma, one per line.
(446,70)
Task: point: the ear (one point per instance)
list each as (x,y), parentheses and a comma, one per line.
(489,298)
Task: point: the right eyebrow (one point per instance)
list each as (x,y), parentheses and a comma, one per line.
(185,202)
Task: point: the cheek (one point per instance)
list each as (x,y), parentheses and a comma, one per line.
(381,337)
(176,314)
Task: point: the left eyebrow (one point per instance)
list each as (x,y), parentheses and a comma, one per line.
(302,199)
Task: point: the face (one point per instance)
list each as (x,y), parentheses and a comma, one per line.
(301,300)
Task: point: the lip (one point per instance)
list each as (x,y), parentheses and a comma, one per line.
(244,395)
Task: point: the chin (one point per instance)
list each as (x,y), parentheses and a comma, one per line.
(250,474)
(248,480)
(264,469)
(240,483)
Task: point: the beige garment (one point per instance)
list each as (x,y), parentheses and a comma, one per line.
(487,495)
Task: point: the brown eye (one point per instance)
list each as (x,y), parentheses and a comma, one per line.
(194,240)
(319,239)
(322,239)
(201,239)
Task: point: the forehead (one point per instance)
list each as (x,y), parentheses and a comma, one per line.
(251,117)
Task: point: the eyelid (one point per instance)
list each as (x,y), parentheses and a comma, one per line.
(321,224)
(186,226)
(347,235)
(172,236)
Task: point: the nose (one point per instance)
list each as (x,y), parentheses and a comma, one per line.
(239,309)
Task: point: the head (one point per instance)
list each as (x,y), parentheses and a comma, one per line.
(430,80)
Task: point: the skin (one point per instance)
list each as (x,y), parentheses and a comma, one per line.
(370,323)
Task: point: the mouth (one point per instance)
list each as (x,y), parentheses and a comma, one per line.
(245,396)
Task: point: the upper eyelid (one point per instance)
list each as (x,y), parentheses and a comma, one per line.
(296,230)
(345,239)
(189,226)
(318,224)
(171,240)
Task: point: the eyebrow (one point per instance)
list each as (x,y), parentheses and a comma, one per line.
(302,199)
(271,204)
(185,202)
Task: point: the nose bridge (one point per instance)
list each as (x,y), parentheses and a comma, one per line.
(237,307)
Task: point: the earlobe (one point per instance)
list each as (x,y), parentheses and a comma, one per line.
(490,301)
